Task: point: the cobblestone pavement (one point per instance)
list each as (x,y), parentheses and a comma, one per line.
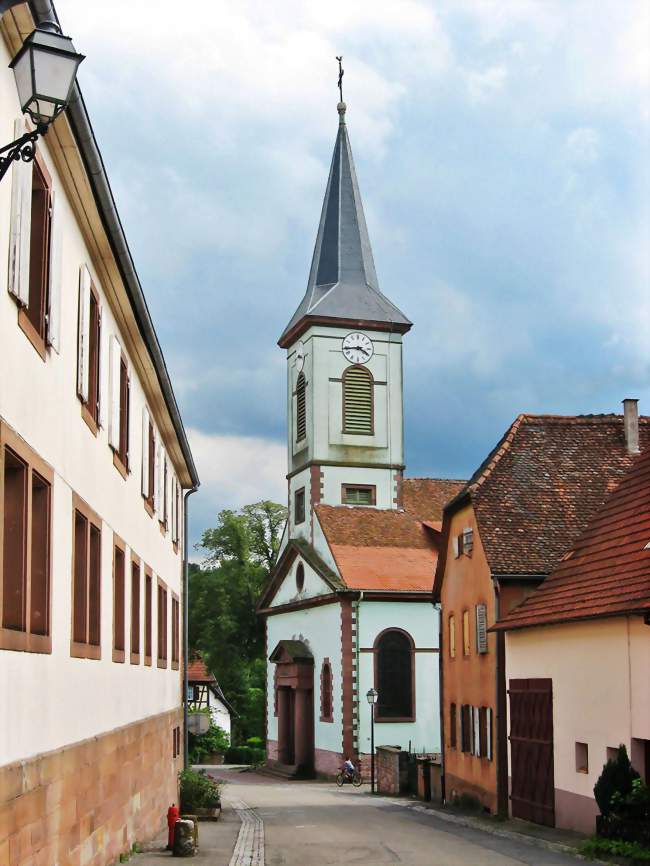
(249,848)
(317,824)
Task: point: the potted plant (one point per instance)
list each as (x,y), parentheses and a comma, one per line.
(200,794)
(210,747)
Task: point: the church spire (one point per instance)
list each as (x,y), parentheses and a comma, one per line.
(342,281)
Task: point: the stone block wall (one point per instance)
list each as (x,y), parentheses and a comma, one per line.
(86,804)
(388,770)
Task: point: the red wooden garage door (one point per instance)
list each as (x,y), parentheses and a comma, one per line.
(531,750)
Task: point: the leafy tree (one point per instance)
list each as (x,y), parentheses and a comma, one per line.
(222,598)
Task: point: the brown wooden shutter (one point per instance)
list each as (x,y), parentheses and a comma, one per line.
(358,401)
(14,564)
(148,610)
(453,742)
(301,408)
(119,564)
(135,610)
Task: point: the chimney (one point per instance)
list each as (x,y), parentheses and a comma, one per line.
(631,425)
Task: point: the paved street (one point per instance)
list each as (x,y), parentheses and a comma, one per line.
(309,824)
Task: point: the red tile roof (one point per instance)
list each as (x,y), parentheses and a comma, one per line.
(426,497)
(608,570)
(197,671)
(389,549)
(541,485)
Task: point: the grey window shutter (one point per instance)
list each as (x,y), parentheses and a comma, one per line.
(54,288)
(102,378)
(83,359)
(477,731)
(481,628)
(21,223)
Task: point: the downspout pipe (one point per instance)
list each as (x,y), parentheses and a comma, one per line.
(186,643)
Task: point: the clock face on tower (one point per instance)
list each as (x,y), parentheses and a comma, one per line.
(358,348)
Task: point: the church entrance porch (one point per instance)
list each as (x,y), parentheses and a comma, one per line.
(294,679)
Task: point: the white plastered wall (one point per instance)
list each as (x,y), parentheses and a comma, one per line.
(55,699)
(288,590)
(302,479)
(600,671)
(220,714)
(420,620)
(320,629)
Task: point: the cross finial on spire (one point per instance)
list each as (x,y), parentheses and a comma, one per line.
(341,74)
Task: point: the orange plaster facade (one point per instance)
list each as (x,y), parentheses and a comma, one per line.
(467,679)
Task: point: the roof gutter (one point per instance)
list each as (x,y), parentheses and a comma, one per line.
(43,12)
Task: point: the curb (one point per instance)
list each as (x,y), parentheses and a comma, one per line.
(513,835)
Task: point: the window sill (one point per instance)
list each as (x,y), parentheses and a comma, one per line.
(175,666)
(21,641)
(31,333)
(148,506)
(328,719)
(85,650)
(162,663)
(91,423)
(135,658)
(118,656)
(147,661)
(120,465)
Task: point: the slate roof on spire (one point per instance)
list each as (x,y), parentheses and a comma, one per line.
(342,280)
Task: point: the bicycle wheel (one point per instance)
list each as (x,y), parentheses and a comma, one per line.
(357,781)
(340,779)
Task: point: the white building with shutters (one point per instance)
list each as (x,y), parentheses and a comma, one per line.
(348,606)
(94,467)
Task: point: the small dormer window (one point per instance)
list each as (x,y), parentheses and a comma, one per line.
(464,543)
(359,494)
(299,506)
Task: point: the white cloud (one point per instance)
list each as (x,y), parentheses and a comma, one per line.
(484,84)
(238,470)
(583,145)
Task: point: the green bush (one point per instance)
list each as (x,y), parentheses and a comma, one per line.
(615,782)
(245,755)
(256,742)
(597,847)
(198,791)
(215,740)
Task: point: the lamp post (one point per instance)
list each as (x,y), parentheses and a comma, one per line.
(45,70)
(371,697)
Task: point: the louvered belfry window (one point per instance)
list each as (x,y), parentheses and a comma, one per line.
(301,408)
(358,401)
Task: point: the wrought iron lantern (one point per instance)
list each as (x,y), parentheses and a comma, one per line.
(372,695)
(45,70)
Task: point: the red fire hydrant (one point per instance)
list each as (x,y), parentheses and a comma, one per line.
(173,815)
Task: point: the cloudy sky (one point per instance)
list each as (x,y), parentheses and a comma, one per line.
(502,148)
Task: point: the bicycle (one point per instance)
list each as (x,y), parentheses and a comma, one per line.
(345,778)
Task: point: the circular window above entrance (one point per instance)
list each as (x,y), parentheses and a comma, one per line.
(300,577)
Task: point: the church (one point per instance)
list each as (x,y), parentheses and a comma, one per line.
(348,606)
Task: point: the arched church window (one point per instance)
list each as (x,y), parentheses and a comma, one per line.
(300,577)
(358,409)
(301,408)
(326,714)
(394,675)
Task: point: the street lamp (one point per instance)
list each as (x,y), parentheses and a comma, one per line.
(371,697)
(45,70)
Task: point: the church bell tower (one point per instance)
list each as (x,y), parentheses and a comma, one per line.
(344,366)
